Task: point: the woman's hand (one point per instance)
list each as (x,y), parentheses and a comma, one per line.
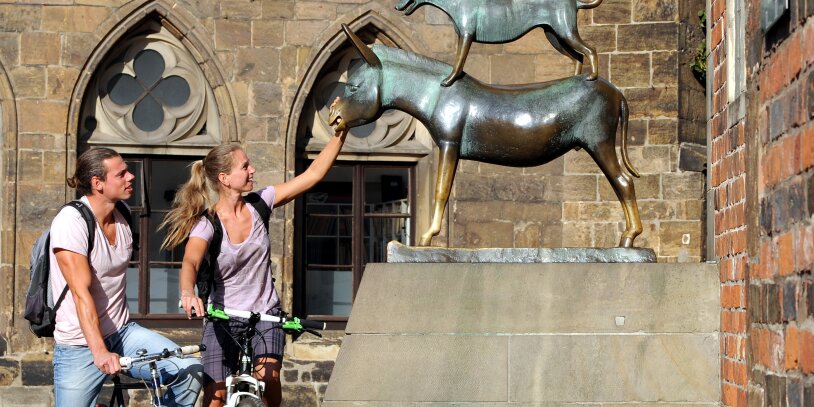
(192,302)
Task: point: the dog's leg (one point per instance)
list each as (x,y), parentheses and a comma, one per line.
(464,43)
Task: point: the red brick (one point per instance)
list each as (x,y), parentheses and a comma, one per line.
(792,348)
(732,296)
(739,268)
(790,156)
(807,146)
(808,42)
(717,33)
(785,254)
(793,55)
(806,343)
(804,240)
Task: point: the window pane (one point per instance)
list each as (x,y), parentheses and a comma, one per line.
(386,190)
(329,250)
(132,289)
(164,293)
(168,176)
(329,292)
(157,238)
(379,232)
(336,190)
(148,114)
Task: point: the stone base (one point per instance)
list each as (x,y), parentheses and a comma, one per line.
(486,334)
(399,253)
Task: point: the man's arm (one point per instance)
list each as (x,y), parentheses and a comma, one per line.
(77,274)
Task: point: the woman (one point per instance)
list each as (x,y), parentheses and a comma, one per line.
(243,279)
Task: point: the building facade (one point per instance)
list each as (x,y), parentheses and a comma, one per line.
(163,81)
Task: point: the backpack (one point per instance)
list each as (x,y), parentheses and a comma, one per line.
(40,307)
(205,279)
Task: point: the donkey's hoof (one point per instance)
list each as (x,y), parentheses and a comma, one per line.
(592,76)
(626,242)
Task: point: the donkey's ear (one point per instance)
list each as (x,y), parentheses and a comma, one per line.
(366,53)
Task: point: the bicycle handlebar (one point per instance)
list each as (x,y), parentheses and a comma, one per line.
(127,362)
(289,323)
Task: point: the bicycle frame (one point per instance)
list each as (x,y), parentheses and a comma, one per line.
(117,399)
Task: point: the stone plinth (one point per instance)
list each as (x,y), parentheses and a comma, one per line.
(399,253)
(446,334)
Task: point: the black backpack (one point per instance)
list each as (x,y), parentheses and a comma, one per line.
(205,279)
(40,307)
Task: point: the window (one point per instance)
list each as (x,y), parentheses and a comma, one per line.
(152,278)
(344,223)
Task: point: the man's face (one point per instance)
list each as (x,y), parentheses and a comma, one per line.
(118,182)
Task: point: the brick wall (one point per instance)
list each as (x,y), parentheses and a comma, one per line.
(762,153)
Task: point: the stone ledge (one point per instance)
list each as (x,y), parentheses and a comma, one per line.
(400,253)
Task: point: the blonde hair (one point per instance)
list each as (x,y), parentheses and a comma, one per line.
(195,196)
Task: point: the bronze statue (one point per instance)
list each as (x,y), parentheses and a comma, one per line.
(517,126)
(502,21)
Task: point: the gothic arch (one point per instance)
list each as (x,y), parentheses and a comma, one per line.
(373,18)
(8,198)
(187,28)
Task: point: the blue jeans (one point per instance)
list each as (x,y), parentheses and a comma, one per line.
(77,381)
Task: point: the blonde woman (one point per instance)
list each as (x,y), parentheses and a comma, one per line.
(243,276)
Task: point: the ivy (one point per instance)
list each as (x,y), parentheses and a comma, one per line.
(699,61)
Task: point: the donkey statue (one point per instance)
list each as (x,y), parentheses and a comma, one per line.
(502,21)
(517,126)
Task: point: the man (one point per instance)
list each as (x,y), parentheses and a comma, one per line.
(92,328)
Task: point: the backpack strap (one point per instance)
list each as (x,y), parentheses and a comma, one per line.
(90,220)
(262,208)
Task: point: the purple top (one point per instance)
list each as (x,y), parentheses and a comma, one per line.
(243,280)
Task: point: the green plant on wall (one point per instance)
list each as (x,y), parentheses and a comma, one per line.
(699,61)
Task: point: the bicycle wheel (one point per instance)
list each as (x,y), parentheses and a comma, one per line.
(250,402)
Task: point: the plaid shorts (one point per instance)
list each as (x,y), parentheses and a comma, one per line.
(222,351)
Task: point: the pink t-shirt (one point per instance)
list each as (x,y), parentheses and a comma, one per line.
(243,280)
(69,231)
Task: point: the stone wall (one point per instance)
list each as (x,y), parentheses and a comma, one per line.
(257,55)
(762,154)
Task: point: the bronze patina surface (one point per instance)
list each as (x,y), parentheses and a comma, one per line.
(517,126)
(400,253)
(502,21)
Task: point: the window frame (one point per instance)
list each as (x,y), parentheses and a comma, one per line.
(359,217)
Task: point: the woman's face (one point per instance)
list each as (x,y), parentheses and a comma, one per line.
(241,178)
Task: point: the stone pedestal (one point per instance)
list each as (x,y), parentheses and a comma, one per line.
(486,334)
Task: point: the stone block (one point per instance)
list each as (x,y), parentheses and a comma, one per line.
(373,378)
(571,188)
(655,10)
(265,99)
(232,34)
(652,102)
(647,37)
(630,70)
(513,69)
(692,157)
(554,167)
(39,48)
(258,64)
(684,185)
(315,10)
(304,33)
(662,131)
(600,212)
(511,211)
(28,81)
(601,37)
(26,396)
(268,33)
(241,9)
(73,18)
(37,369)
(548,66)
(9,370)
(656,210)
(613,12)
(478,67)
(61,82)
(53,166)
(636,133)
(521,188)
(42,116)
(528,235)
(277,9)
(30,166)
(19,18)
(299,395)
(651,159)
(534,42)
(654,368)
(9,47)
(489,234)
(577,234)
(665,68)
(680,237)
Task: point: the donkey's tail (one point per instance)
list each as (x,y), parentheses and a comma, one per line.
(588,4)
(623,117)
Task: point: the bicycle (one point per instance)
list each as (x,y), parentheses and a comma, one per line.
(242,388)
(141,357)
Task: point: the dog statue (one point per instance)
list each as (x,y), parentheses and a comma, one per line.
(502,21)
